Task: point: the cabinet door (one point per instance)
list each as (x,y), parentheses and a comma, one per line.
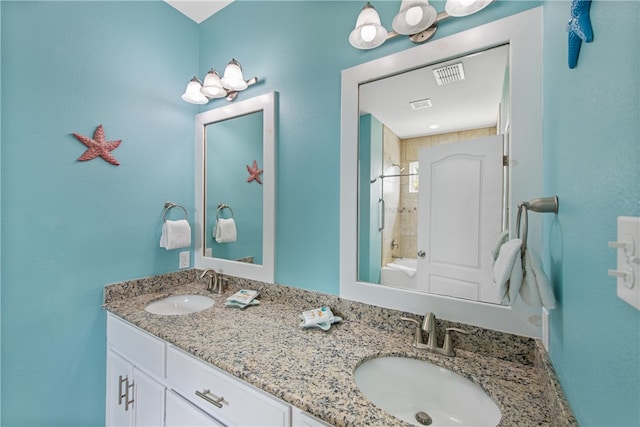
(181,413)
(149,400)
(119,375)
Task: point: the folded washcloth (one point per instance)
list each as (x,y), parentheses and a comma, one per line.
(243,296)
(316,316)
(536,289)
(175,234)
(225,230)
(507,271)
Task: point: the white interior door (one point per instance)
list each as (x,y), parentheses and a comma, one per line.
(460,214)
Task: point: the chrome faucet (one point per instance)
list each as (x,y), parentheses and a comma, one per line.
(429,326)
(212,284)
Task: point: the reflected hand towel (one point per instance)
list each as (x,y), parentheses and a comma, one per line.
(225,231)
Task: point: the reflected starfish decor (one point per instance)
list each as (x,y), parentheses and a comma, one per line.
(579,28)
(254,173)
(98,146)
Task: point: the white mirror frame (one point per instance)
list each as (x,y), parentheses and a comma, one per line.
(524,33)
(266,271)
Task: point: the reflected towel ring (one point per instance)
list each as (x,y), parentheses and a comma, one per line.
(221,207)
(170,205)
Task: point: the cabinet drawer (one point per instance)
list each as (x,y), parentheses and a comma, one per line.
(180,413)
(139,347)
(241,404)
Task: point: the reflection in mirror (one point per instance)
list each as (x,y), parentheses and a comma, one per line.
(368,205)
(233,206)
(235,188)
(422,238)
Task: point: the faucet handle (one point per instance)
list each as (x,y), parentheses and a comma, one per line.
(417,339)
(448,345)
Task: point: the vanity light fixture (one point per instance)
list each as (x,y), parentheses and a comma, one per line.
(416,19)
(215,86)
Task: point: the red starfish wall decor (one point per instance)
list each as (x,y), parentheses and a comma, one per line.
(254,173)
(98,146)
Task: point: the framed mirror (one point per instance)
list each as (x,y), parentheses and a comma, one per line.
(517,120)
(235,188)
(452,115)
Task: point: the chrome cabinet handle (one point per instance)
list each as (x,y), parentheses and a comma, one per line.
(121,395)
(215,400)
(123,392)
(129,401)
(422,254)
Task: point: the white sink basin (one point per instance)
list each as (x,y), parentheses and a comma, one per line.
(409,388)
(179,304)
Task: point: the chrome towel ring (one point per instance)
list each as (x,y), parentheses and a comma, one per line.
(170,205)
(221,207)
(544,205)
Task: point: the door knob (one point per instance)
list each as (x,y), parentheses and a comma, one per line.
(421,254)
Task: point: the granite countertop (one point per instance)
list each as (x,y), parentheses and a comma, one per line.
(265,346)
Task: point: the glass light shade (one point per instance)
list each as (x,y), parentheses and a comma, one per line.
(233,79)
(212,88)
(368,33)
(465,7)
(414,16)
(192,94)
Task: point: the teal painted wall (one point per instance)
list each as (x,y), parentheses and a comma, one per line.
(592,161)
(70,227)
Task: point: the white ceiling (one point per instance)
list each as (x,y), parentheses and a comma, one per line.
(198,10)
(467,104)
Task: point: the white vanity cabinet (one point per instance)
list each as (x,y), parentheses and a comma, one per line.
(135,372)
(152,383)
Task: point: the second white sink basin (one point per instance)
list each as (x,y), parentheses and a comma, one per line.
(422,393)
(179,304)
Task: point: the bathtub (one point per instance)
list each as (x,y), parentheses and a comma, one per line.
(401,273)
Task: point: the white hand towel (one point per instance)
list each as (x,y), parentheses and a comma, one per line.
(500,240)
(225,231)
(507,271)
(175,234)
(536,289)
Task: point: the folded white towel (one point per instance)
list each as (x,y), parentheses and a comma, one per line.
(500,240)
(225,230)
(175,234)
(507,271)
(536,289)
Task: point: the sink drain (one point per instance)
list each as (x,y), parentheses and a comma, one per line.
(423,418)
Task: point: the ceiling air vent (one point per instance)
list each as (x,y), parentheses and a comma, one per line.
(449,74)
(420,104)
